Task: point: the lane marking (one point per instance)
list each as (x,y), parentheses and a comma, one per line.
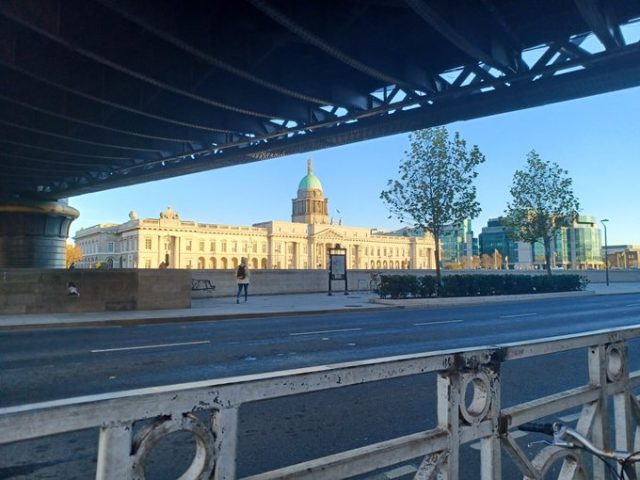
(142,347)
(326,331)
(519,315)
(633,305)
(569,418)
(513,434)
(437,323)
(400,472)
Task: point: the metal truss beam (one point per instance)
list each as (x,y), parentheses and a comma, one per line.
(502,56)
(147,97)
(599,21)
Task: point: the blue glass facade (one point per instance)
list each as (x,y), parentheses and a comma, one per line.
(457,243)
(494,238)
(574,247)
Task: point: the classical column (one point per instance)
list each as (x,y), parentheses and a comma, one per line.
(34,234)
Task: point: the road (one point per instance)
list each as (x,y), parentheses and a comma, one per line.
(39,365)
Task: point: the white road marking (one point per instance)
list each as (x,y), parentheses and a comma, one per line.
(633,305)
(325,331)
(400,471)
(142,347)
(519,315)
(437,323)
(514,434)
(569,418)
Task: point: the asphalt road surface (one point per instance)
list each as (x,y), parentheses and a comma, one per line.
(39,365)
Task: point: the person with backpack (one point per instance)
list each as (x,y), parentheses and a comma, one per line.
(242,277)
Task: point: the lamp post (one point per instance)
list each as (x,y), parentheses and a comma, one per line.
(606,250)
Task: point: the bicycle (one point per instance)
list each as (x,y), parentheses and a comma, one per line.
(566,437)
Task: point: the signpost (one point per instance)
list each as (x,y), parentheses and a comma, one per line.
(338,267)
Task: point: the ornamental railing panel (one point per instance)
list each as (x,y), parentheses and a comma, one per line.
(468,384)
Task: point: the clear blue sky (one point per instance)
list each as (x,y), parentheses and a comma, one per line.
(597,139)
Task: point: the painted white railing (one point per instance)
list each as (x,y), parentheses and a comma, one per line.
(468,410)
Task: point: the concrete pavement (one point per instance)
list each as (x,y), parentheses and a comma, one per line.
(222,308)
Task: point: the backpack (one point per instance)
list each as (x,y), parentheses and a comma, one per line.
(242,273)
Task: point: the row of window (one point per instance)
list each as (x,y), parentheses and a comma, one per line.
(224,263)
(130,244)
(189,244)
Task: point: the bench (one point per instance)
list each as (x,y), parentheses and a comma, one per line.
(199,285)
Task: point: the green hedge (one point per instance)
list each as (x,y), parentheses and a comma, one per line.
(404,286)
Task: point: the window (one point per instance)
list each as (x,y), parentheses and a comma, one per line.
(188,247)
(223,247)
(264,248)
(147,264)
(212,246)
(201,246)
(110,247)
(255,247)
(234,246)
(147,244)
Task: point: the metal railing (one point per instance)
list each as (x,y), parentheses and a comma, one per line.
(468,410)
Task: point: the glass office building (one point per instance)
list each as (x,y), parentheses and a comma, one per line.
(575,247)
(458,244)
(494,238)
(578,246)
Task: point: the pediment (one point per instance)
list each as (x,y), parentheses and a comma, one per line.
(328,234)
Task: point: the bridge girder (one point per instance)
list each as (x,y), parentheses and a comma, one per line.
(96,94)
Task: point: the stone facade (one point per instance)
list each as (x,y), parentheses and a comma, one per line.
(303,243)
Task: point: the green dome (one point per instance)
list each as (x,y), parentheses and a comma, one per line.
(309,181)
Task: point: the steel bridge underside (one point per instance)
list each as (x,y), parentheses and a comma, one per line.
(96,94)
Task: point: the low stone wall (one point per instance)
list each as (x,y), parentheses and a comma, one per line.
(46,291)
(272,282)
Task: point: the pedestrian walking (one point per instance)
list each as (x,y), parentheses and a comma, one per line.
(242,277)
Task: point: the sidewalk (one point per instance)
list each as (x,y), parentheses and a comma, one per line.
(225,308)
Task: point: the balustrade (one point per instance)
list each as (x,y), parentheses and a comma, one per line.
(468,384)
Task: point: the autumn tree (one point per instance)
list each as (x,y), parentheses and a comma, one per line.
(542,203)
(486,261)
(471,263)
(435,187)
(73,254)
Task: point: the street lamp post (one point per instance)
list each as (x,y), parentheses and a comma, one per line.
(606,250)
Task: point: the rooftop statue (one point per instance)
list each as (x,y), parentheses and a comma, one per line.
(169,214)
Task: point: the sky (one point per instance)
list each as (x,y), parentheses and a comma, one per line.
(597,139)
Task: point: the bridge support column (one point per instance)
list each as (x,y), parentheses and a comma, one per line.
(34,234)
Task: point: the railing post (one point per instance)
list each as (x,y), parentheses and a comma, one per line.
(114,453)
(618,372)
(600,427)
(225,426)
(490,452)
(449,420)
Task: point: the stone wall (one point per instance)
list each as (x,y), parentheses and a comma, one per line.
(265,282)
(46,291)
